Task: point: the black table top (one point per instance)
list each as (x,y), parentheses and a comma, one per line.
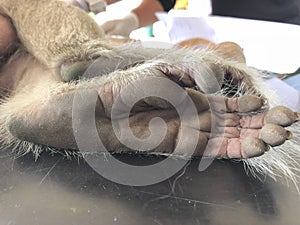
(57,190)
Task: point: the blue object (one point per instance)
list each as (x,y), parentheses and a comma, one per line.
(294,81)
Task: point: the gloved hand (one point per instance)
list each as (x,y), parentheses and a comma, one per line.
(122,26)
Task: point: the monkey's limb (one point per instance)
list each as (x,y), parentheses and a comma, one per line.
(207,69)
(52,30)
(61,35)
(46,118)
(66,39)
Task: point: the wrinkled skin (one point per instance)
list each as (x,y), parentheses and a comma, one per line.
(54,44)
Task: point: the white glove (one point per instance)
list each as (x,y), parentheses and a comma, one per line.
(122,26)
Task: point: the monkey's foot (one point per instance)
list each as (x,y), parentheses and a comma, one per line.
(227,128)
(218,127)
(247,136)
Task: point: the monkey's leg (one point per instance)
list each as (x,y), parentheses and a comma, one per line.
(48,120)
(23,81)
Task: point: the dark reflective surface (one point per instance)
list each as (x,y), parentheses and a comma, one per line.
(55,190)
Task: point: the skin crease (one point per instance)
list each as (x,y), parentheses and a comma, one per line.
(40,103)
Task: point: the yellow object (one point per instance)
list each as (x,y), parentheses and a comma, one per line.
(92,14)
(181,4)
(74,210)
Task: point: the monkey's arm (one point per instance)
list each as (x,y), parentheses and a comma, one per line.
(52,30)
(65,38)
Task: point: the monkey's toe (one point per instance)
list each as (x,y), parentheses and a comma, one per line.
(282,116)
(274,135)
(253,147)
